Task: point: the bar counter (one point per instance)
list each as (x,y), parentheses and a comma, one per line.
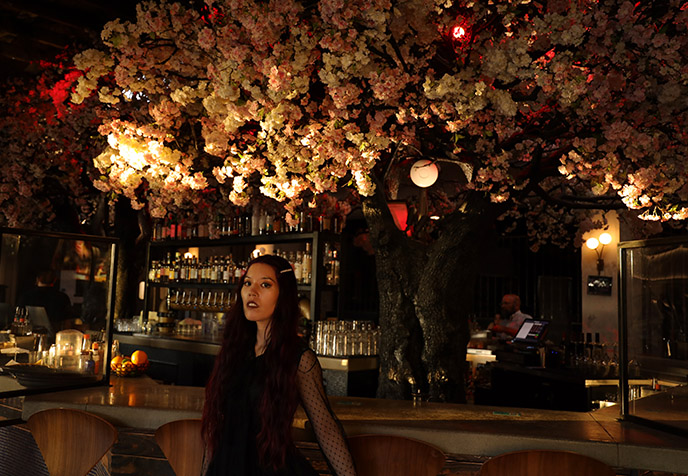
(456,429)
(188,360)
(196,344)
(211,346)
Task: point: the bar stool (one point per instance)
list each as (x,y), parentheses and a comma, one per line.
(389,455)
(182,444)
(544,463)
(71,441)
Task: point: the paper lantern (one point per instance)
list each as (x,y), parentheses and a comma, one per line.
(424,173)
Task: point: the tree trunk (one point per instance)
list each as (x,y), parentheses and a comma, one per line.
(130,259)
(425,293)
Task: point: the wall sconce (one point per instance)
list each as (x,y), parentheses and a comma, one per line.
(424,173)
(594,244)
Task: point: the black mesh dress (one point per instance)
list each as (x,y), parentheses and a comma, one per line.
(237,454)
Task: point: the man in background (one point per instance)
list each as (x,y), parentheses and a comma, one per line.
(44,294)
(509,320)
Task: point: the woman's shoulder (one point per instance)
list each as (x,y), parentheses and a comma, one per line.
(307,359)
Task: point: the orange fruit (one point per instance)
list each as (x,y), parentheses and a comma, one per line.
(117,360)
(139,357)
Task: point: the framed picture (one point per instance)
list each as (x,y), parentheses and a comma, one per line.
(600,285)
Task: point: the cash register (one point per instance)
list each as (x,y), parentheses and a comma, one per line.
(523,349)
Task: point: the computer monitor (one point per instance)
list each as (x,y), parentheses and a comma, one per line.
(531,332)
(40,318)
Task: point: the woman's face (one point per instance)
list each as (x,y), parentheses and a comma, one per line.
(259,292)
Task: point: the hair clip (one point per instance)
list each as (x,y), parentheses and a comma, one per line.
(286,270)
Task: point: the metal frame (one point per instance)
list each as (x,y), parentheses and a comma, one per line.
(623,332)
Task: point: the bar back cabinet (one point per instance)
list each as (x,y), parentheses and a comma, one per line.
(197,277)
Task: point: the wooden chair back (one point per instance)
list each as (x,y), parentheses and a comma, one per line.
(182,444)
(388,455)
(544,463)
(71,441)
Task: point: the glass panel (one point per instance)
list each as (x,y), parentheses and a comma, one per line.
(655,316)
(55,310)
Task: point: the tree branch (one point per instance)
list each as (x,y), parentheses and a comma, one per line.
(575,202)
(395,46)
(383,55)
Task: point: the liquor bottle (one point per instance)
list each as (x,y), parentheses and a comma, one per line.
(161,272)
(177,268)
(14,329)
(172,235)
(307,271)
(255,222)
(157,230)
(262,224)
(184,270)
(237,272)
(246,231)
(297,260)
(335,267)
(214,270)
(226,269)
(151,271)
(193,270)
(203,271)
(26,327)
(213,228)
(220,265)
(170,270)
(324,222)
(203,229)
(301,227)
(164,269)
(193,229)
(97,356)
(327,264)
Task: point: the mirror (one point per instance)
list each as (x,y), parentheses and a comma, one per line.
(56,305)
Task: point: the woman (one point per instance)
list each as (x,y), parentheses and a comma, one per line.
(263,371)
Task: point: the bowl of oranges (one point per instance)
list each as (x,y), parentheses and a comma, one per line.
(130,366)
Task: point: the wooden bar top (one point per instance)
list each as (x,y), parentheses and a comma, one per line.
(456,429)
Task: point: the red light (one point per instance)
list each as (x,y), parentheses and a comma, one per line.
(399,214)
(458,32)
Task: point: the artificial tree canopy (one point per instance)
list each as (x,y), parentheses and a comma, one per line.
(548,106)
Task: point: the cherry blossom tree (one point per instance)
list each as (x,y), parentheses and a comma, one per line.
(48,146)
(539,110)
(48,178)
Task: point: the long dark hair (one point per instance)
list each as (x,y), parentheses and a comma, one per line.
(280,395)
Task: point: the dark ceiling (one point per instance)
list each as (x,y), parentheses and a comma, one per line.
(34,30)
